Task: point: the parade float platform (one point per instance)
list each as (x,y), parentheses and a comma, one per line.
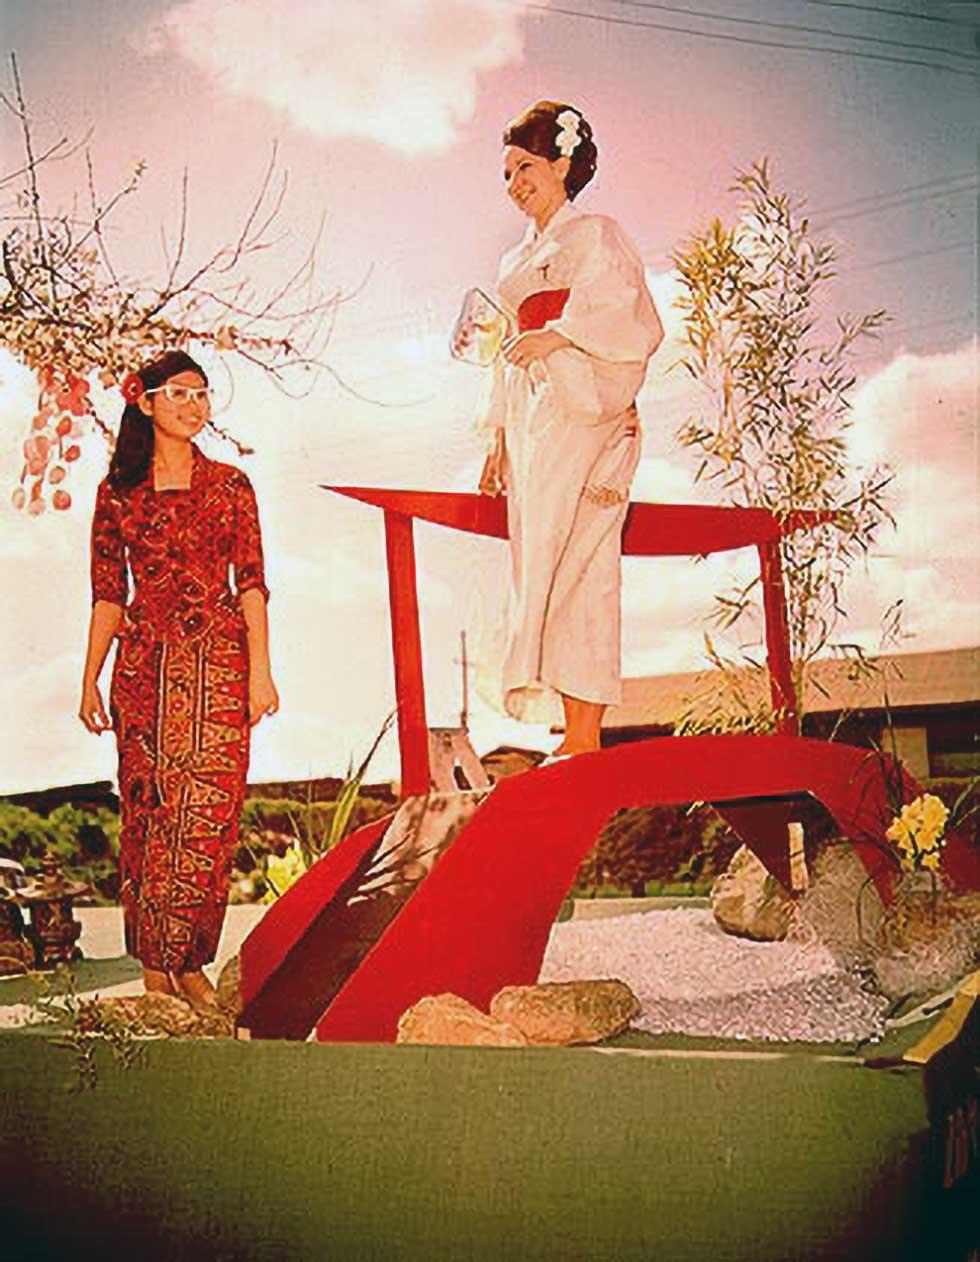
(645,1147)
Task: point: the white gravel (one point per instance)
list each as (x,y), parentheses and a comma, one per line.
(691,978)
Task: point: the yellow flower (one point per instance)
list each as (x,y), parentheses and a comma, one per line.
(931,860)
(285,870)
(934,812)
(918,830)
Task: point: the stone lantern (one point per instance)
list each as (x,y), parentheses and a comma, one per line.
(54,929)
(16,952)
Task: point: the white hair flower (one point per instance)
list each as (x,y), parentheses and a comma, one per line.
(568,138)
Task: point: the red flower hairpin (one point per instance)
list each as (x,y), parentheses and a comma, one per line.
(132,387)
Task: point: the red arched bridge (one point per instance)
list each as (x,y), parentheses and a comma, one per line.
(376,924)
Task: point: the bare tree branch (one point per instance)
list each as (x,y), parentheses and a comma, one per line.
(69,314)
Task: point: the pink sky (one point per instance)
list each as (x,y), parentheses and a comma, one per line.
(388,118)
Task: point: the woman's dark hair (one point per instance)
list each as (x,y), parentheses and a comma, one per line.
(133,453)
(536,131)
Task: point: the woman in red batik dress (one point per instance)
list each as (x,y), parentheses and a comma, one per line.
(191,674)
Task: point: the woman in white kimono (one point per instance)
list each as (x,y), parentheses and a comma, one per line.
(565,433)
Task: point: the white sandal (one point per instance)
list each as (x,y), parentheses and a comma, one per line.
(554,758)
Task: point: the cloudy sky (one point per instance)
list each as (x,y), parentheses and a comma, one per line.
(388,117)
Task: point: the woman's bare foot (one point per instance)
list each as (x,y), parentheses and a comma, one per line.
(197,989)
(156,982)
(583,722)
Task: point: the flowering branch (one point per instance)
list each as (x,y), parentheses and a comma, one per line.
(67,313)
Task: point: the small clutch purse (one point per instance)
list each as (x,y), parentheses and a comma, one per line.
(480,330)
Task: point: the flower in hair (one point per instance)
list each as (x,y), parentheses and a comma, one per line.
(568,138)
(132,387)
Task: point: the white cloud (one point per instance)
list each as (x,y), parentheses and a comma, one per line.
(919,414)
(667,288)
(43,739)
(940,604)
(403,73)
(662,482)
(920,408)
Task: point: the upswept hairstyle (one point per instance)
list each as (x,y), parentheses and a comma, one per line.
(536,130)
(133,453)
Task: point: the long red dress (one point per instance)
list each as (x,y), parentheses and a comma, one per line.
(179,699)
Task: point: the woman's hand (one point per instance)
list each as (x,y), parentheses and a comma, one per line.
(492,478)
(527,348)
(463,337)
(92,710)
(263,698)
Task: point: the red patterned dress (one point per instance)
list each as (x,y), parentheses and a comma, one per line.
(179,699)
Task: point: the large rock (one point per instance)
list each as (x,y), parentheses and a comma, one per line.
(918,944)
(925,941)
(567,1012)
(152,1015)
(229,988)
(450,1019)
(748,901)
(841,908)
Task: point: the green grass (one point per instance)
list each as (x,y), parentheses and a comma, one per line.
(292,1151)
(652,889)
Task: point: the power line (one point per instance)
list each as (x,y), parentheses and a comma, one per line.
(898,192)
(893,203)
(791,26)
(741,39)
(904,329)
(962,318)
(913,254)
(897,13)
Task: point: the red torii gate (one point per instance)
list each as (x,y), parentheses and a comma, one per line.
(650,530)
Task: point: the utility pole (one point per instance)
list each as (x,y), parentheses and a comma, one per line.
(464,714)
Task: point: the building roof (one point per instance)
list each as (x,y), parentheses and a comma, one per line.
(912,680)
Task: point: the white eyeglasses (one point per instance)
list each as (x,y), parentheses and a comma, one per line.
(184,394)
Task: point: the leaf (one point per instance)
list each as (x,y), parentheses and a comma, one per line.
(961,798)
(348,794)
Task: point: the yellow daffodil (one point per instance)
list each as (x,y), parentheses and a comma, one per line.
(918,831)
(283,871)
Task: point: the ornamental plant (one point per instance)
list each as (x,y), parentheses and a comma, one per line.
(282,871)
(311,842)
(771,431)
(918,832)
(70,315)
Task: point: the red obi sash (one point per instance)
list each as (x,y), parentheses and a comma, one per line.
(537,309)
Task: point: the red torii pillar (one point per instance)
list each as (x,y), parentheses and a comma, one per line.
(406,648)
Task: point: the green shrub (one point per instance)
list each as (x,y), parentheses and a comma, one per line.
(672,844)
(272,829)
(84,843)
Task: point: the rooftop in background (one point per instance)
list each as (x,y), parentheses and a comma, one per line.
(913,680)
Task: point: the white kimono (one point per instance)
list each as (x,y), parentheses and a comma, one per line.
(573,443)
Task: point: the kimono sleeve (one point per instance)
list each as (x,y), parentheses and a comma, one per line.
(110,579)
(246,558)
(610,313)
